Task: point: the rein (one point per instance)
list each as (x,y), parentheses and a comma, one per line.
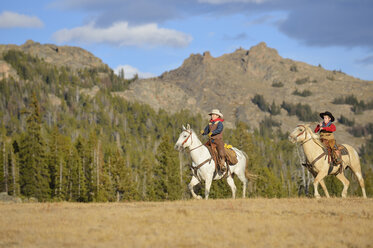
(201,164)
(321,155)
(195,169)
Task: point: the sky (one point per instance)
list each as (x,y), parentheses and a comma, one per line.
(149,37)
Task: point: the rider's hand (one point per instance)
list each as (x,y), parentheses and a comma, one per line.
(210,133)
(202,132)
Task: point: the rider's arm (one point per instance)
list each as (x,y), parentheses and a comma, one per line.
(206,131)
(317,128)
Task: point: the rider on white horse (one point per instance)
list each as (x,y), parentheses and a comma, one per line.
(215,132)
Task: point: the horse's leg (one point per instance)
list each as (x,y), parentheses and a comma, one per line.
(230,182)
(208,182)
(320,176)
(322,183)
(354,164)
(362,184)
(244,181)
(356,168)
(345,182)
(191,185)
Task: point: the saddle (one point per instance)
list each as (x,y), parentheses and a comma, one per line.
(230,154)
(335,157)
(341,150)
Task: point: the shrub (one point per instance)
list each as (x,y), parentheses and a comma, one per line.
(277,85)
(293,68)
(350,99)
(264,106)
(303,112)
(357,106)
(302,80)
(359,131)
(343,120)
(260,102)
(304,93)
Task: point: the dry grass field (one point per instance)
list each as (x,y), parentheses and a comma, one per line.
(213,223)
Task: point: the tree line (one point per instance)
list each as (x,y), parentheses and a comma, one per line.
(59,141)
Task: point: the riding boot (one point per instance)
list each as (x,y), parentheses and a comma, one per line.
(222,165)
(330,156)
(337,157)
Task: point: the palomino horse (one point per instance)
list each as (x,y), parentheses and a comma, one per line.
(203,166)
(318,161)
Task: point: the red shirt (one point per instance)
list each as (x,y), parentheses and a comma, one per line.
(331,128)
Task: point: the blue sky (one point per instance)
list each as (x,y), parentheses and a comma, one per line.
(150,37)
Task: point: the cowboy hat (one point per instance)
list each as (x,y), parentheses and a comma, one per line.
(216,112)
(328,114)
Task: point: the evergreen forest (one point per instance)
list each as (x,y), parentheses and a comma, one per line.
(66,136)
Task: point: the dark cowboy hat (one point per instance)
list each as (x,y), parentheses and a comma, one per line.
(328,114)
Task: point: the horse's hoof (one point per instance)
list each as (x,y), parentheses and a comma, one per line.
(199,197)
(317,196)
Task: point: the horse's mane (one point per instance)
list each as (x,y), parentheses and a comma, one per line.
(314,136)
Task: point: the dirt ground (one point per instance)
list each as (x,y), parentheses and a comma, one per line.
(214,223)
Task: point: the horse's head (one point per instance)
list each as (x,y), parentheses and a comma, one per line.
(185,138)
(299,134)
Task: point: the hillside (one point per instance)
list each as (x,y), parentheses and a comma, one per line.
(73,57)
(231,81)
(66,136)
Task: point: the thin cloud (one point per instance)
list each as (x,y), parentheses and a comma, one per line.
(121,34)
(365,61)
(240,36)
(10,19)
(261,20)
(346,23)
(130,72)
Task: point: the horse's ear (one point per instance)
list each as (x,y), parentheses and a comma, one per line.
(307,125)
(183,128)
(188,126)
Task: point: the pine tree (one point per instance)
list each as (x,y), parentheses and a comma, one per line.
(166,184)
(34,175)
(79,173)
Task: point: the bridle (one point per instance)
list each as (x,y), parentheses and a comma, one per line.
(190,135)
(320,156)
(191,140)
(304,131)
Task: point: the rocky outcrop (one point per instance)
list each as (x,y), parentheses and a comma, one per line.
(73,57)
(229,82)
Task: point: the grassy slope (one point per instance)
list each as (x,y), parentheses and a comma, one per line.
(215,223)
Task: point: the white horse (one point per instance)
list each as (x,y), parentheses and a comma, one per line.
(318,161)
(203,166)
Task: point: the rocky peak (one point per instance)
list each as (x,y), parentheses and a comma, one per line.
(262,51)
(229,82)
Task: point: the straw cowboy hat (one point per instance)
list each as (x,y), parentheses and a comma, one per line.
(328,114)
(216,112)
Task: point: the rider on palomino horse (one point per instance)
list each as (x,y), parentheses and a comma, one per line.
(326,129)
(215,131)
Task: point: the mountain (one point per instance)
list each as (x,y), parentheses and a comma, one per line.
(244,85)
(66,136)
(231,82)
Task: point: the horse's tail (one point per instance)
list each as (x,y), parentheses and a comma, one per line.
(355,166)
(248,175)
